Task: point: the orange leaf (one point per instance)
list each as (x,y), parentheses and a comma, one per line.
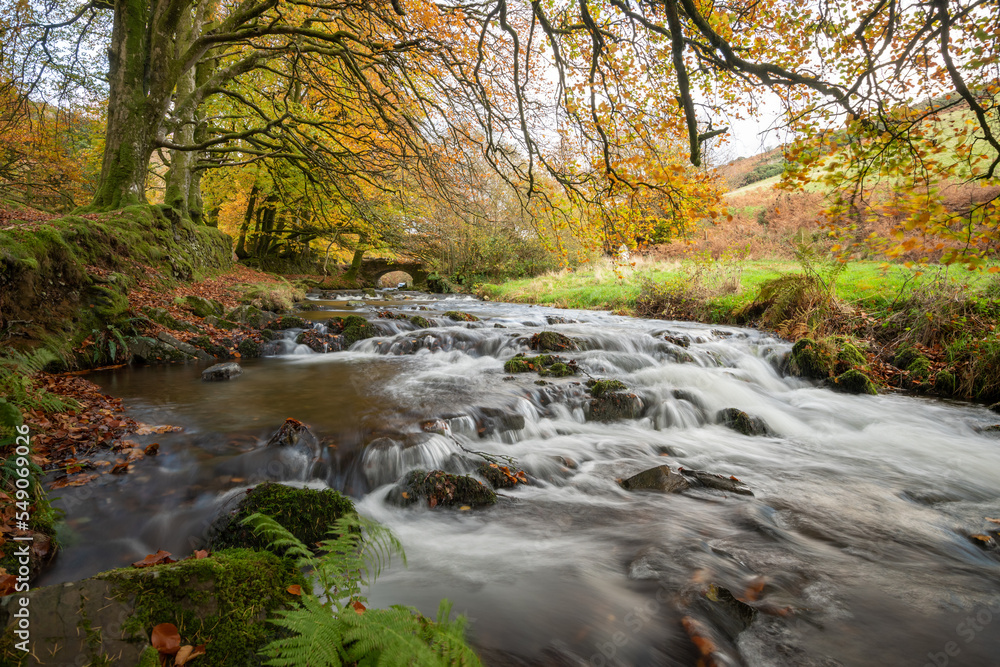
(7,584)
(188,653)
(159,558)
(200,553)
(294,589)
(358,607)
(166,639)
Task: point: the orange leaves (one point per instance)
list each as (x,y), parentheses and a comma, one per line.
(358,607)
(166,639)
(161,557)
(294,589)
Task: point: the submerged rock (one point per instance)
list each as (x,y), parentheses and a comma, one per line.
(710,480)
(224,371)
(305,513)
(438,487)
(741,422)
(293,433)
(660,478)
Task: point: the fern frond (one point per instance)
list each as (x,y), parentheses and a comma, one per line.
(28,363)
(316,639)
(387,638)
(281,539)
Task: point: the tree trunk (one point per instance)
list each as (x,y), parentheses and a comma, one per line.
(247,217)
(132,123)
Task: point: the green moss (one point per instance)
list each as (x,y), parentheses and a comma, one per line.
(500,477)
(221,601)
(544,365)
(550,341)
(163,317)
(945,383)
(248,348)
(600,387)
(278,298)
(811,359)
(206,344)
(306,513)
(854,382)
(458,316)
(357,328)
(421,322)
(919,368)
(905,356)
(848,355)
(200,306)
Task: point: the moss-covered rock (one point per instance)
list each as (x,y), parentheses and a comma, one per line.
(221,323)
(440,488)
(250,316)
(853,382)
(147,350)
(826,357)
(459,316)
(221,601)
(436,284)
(163,317)
(273,297)
(741,422)
(551,341)
(357,328)
(945,383)
(501,477)
(905,355)
(306,513)
(249,348)
(201,306)
(286,322)
(420,322)
(600,387)
(544,364)
(205,343)
(615,406)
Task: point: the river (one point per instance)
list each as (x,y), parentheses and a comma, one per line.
(855,548)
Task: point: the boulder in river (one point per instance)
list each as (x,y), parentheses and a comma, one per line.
(710,480)
(543,364)
(286,322)
(356,328)
(742,422)
(152,350)
(853,381)
(599,388)
(615,405)
(305,513)
(501,476)
(551,341)
(660,478)
(221,600)
(438,487)
(458,316)
(293,433)
(250,316)
(224,371)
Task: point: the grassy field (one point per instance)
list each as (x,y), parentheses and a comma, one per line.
(728,284)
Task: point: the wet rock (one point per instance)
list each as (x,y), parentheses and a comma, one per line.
(205,343)
(495,420)
(441,488)
(250,316)
(186,348)
(983,541)
(711,480)
(558,319)
(294,433)
(356,304)
(995,408)
(544,365)
(614,406)
(501,477)
(306,513)
(248,348)
(222,372)
(599,388)
(741,422)
(853,382)
(826,357)
(356,328)
(550,341)
(201,306)
(320,342)
(286,322)
(660,478)
(459,316)
(420,322)
(150,350)
(690,397)
(680,341)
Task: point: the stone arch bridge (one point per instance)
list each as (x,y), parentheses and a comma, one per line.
(373,269)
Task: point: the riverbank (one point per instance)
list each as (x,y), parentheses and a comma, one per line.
(931,333)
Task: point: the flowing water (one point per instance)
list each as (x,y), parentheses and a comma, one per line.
(855,548)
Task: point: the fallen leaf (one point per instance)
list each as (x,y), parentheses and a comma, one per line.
(465,508)
(200,553)
(188,653)
(7,584)
(294,589)
(166,639)
(152,449)
(993,520)
(120,468)
(146,429)
(358,607)
(159,558)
